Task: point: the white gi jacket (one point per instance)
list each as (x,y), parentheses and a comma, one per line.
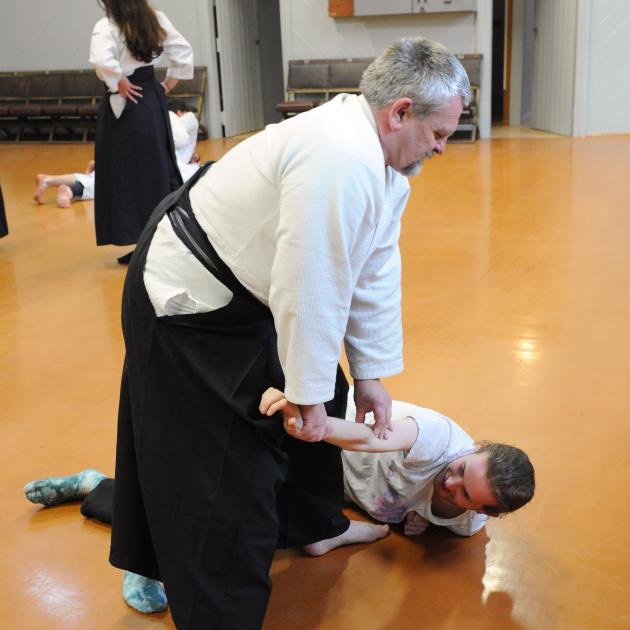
(112,60)
(185,129)
(307,217)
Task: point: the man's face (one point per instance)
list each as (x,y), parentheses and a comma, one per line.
(464,483)
(421,138)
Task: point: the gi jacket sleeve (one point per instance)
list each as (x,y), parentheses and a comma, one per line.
(374,334)
(104,54)
(177,50)
(327,211)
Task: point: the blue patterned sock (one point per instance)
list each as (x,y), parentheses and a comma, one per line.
(53,490)
(143,594)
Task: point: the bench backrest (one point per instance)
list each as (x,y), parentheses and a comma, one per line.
(84,85)
(328,76)
(325,76)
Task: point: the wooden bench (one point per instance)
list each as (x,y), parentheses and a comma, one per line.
(61,105)
(468,125)
(313,81)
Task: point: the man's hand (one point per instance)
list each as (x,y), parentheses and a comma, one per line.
(315,420)
(371,395)
(415,524)
(129,90)
(303,422)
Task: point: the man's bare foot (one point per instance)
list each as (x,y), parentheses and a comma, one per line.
(358,532)
(40,187)
(64,196)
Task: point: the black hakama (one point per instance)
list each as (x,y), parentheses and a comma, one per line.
(135,158)
(207,488)
(4,226)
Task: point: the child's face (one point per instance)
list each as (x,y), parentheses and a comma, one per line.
(464,483)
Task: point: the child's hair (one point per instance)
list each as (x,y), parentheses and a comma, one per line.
(511,477)
(177,105)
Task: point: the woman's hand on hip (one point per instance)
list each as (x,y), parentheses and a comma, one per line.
(128,90)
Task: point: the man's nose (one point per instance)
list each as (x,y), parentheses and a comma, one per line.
(439,147)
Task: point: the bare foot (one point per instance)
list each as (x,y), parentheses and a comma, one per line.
(64,196)
(90,167)
(358,532)
(40,187)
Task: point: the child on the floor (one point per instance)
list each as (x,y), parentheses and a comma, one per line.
(428,471)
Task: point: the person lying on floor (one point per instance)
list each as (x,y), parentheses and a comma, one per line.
(80,186)
(428,471)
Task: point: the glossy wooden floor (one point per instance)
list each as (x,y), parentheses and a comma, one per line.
(517,310)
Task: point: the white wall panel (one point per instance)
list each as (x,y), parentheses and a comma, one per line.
(609,71)
(55,34)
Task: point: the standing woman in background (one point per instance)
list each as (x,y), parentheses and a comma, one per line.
(135,156)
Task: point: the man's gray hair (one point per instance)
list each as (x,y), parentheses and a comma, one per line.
(419,69)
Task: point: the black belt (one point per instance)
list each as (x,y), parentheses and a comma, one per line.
(190,233)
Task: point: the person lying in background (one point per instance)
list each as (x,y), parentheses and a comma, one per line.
(80,186)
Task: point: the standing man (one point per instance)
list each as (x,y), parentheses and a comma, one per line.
(254,273)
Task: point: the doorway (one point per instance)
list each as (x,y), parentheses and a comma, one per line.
(249,73)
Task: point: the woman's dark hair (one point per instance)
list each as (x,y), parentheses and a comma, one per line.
(139,26)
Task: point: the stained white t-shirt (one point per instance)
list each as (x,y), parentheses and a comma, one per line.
(390,485)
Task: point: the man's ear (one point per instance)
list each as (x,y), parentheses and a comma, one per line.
(399,110)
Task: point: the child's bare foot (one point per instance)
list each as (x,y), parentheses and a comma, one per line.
(64,196)
(358,532)
(40,187)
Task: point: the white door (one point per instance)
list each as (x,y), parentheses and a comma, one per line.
(239,66)
(554,66)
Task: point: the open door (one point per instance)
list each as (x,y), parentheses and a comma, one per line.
(239,65)
(555,25)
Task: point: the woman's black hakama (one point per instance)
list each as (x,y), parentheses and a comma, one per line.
(135,162)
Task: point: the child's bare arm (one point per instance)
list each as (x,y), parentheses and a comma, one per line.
(351,436)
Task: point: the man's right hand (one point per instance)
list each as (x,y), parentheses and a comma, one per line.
(304,422)
(315,427)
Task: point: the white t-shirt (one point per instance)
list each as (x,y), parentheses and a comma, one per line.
(390,485)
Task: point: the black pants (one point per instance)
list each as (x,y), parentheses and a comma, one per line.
(99,503)
(207,488)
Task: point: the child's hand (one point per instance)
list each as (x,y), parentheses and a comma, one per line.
(415,524)
(272,401)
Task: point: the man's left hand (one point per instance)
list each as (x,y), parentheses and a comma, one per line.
(371,395)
